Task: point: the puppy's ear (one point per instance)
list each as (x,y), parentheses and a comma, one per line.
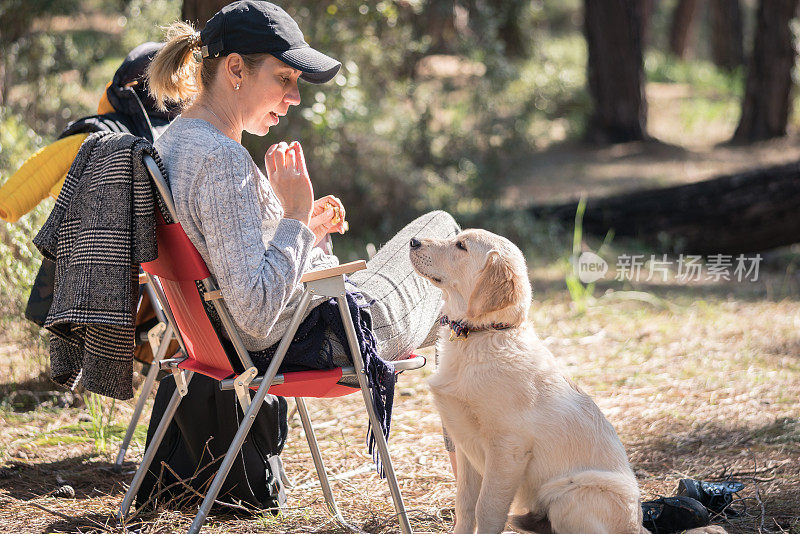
(497,287)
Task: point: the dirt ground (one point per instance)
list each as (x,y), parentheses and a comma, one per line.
(700,380)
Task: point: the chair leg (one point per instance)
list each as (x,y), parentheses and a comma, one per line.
(380,439)
(249,416)
(319,465)
(143,395)
(231,455)
(150,452)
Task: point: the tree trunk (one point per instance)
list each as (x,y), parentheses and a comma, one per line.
(681,27)
(739,213)
(766,104)
(727,33)
(199,11)
(647,13)
(2,81)
(509,31)
(439,24)
(615,70)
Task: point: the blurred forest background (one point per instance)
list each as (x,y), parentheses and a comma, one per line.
(677,119)
(479,107)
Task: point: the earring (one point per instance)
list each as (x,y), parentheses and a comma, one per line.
(236,87)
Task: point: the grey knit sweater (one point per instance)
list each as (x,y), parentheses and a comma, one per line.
(231,214)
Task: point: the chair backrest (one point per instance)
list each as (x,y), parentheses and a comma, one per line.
(179,267)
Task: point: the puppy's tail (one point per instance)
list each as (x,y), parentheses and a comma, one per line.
(531,522)
(592,501)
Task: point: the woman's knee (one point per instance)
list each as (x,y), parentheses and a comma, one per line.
(441,220)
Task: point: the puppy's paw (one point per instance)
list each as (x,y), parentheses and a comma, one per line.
(710,529)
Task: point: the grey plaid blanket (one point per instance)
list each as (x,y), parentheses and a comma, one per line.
(101,228)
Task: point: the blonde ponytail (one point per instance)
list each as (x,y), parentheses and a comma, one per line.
(172,75)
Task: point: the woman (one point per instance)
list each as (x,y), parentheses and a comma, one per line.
(258,235)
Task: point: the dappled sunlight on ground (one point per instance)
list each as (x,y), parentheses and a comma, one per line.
(685,150)
(705,388)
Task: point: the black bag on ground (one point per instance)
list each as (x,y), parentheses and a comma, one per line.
(198,438)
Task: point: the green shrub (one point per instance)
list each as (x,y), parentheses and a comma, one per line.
(703,76)
(393,144)
(19,259)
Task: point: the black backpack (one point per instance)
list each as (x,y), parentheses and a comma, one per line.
(198,438)
(136,113)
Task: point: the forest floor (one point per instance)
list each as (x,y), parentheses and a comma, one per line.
(699,379)
(700,382)
(686,147)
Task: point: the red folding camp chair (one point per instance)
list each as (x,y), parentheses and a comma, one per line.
(173,277)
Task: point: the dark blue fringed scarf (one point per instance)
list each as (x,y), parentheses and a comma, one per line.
(310,349)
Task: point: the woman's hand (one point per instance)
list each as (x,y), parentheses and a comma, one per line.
(288,176)
(327,216)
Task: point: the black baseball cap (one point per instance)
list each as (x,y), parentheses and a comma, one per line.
(256,27)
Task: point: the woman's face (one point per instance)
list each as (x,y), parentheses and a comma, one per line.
(266,93)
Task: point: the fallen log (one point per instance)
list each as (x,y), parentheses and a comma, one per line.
(740,213)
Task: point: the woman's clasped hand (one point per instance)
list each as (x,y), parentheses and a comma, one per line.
(288,176)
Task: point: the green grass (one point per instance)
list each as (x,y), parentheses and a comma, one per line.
(59,439)
(703,76)
(101,415)
(112,431)
(582,294)
(74,433)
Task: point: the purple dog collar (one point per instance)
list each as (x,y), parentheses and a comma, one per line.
(461,329)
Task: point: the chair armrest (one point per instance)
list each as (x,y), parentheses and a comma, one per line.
(311,276)
(345,268)
(415,361)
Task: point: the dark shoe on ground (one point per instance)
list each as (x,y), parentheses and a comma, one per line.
(716,496)
(673,514)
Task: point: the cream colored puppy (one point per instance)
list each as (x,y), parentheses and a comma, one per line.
(523,431)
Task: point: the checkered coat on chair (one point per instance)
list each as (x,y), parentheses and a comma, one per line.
(101,228)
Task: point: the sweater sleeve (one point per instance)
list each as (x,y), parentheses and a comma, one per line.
(318,259)
(256,255)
